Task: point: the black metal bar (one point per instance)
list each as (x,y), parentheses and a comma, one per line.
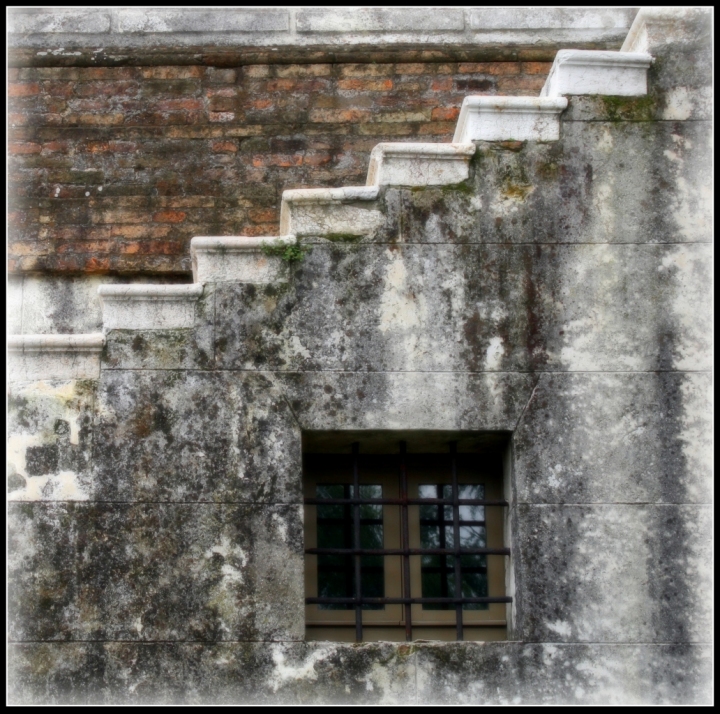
(456,539)
(491,623)
(356,544)
(403,600)
(405,541)
(400,501)
(406,551)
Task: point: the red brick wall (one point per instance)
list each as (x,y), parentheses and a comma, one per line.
(115,169)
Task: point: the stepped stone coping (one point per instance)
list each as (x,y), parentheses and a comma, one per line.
(510,119)
(61,357)
(329,195)
(238,259)
(622,74)
(149,307)
(415,164)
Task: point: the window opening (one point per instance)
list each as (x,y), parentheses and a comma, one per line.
(435,560)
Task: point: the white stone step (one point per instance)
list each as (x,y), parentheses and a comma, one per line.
(61,357)
(149,307)
(330,212)
(509,119)
(398,164)
(238,259)
(622,74)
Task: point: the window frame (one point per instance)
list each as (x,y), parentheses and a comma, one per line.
(424,624)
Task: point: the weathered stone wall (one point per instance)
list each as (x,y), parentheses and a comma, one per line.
(561,293)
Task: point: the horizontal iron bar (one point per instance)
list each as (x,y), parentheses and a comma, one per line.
(403,600)
(401,502)
(409,551)
(447,625)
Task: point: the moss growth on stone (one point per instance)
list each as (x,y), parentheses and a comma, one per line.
(629,108)
(342,237)
(288,253)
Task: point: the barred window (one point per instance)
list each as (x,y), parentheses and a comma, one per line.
(405,545)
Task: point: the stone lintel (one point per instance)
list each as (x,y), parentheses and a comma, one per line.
(621,74)
(401,164)
(238,259)
(509,118)
(149,307)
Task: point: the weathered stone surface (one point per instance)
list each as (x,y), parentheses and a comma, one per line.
(509,119)
(473,308)
(512,674)
(188,347)
(50,440)
(222,673)
(14,295)
(379,19)
(240,259)
(33,358)
(543,18)
(59,21)
(625,438)
(382,673)
(160,571)
(614,573)
(620,74)
(194,20)
(194,436)
(416,400)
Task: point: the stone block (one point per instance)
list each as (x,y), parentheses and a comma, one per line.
(335,214)
(59,21)
(419,164)
(509,119)
(198,20)
(149,307)
(49,441)
(562,674)
(613,573)
(14,304)
(195,436)
(379,19)
(444,402)
(159,571)
(547,18)
(220,673)
(626,438)
(60,357)
(241,259)
(622,74)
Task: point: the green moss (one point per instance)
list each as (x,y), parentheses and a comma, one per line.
(289,253)
(629,108)
(463,187)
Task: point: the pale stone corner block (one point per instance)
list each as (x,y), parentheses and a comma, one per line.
(149,307)
(400,164)
(238,259)
(509,119)
(655,26)
(322,211)
(42,357)
(621,74)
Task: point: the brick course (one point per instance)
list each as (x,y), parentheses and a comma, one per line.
(115,169)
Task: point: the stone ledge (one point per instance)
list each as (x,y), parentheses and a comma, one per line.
(149,307)
(401,164)
(64,357)
(655,26)
(510,118)
(238,259)
(326,211)
(622,74)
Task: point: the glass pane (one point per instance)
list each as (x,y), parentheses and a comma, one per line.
(436,531)
(335,529)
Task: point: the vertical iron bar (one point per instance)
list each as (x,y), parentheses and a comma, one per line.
(456,538)
(405,535)
(356,543)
